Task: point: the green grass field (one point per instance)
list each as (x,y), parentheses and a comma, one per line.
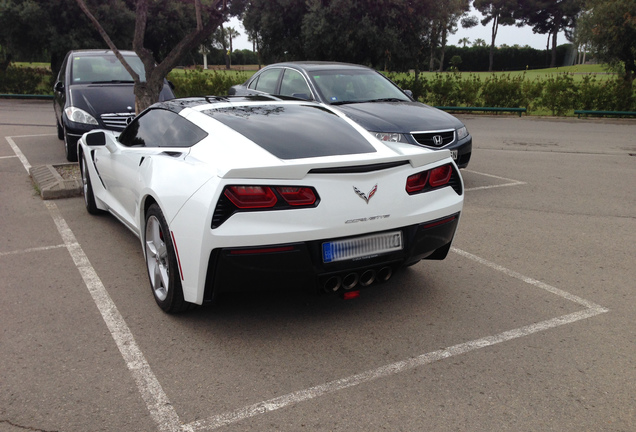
(578,72)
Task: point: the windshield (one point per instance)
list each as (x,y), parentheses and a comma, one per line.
(354,86)
(104,68)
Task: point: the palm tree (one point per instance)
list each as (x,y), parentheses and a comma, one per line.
(231,33)
(479,42)
(464,41)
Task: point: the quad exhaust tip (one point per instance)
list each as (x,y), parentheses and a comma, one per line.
(385,274)
(333,284)
(367,278)
(350,281)
(353,279)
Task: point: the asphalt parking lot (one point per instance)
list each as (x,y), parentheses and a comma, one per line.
(528,325)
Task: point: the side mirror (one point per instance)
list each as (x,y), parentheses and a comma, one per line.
(96,139)
(59,87)
(409,93)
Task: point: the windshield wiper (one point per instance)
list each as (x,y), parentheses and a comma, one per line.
(344,102)
(387,100)
(113,82)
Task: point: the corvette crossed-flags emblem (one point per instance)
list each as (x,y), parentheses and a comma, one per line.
(365,197)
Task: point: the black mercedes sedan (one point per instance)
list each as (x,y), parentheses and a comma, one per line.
(94,91)
(367,97)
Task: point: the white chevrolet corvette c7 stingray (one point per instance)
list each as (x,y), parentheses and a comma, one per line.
(239,193)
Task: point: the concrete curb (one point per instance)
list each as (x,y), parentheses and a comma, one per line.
(52,185)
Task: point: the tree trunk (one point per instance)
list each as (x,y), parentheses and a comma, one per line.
(5,64)
(231,51)
(493,36)
(443,54)
(147,93)
(554,48)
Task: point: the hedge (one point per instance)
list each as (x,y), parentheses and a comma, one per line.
(558,93)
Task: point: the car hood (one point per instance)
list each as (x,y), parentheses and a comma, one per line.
(399,117)
(98,99)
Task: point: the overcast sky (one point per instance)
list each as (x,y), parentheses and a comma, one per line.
(509,35)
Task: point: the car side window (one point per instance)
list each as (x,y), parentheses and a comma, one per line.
(61,76)
(293,84)
(161,128)
(267,81)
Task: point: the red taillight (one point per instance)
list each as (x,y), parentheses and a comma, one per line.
(247,197)
(416,182)
(440,175)
(427,180)
(297,196)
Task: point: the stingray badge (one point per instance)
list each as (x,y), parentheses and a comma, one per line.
(364,196)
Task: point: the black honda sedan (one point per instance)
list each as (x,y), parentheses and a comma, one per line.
(94,91)
(368,98)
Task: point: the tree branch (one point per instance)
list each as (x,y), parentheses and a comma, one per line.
(108,41)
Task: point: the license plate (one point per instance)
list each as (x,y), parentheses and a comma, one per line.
(360,247)
(454,154)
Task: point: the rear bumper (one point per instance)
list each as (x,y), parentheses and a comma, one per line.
(300,264)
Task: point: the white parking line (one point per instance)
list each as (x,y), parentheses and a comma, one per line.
(157,401)
(33,135)
(512,182)
(36,249)
(19,154)
(161,410)
(533,282)
(235,416)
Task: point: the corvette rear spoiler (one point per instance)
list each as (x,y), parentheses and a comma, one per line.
(299,168)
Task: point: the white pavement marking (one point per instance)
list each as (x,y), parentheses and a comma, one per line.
(235,416)
(7,157)
(157,401)
(33,135)
(161,410)
(36,249)
(19,154)
(512,181)
(533,282)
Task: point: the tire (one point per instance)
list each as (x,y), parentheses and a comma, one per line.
(70,148)
(87,189)
(161,263)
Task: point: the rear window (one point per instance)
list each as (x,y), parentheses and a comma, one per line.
(161,128)
(294,131)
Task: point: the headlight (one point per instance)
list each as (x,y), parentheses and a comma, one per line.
(80,116)
(462,133)
(389,137)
